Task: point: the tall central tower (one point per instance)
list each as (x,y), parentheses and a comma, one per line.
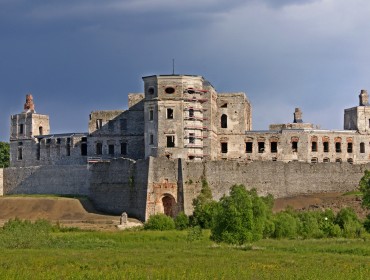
(175,116)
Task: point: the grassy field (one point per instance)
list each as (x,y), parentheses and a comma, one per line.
(168,255)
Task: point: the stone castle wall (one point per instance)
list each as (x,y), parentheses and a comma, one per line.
(138,187)
(62,179)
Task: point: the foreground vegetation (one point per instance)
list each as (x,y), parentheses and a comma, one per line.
(57,253)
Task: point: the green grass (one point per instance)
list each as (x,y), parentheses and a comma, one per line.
(355,193)
(167,255)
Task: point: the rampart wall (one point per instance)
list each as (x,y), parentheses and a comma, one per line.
(120,186)
(138,187)
(51,179)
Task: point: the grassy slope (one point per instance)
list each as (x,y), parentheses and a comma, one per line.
(167,255)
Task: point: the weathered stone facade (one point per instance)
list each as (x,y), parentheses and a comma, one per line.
(152,157)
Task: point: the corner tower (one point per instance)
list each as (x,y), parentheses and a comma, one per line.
(358,118)
(23,129)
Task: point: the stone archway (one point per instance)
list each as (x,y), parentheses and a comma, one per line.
(169,205)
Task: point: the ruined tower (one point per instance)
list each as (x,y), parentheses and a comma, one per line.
(358,118)
(23,129)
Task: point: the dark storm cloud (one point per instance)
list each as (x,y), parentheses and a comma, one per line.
(78,56)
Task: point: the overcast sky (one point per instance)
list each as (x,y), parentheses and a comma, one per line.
(76,56)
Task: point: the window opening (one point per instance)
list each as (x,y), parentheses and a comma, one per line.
(314,160)
(151,90)
(21,128)
(191,113)
(314,146)
(151,139)
(273,146)
(99,123)
(350,160)
(169,113)
(20,154)
(326,147)
(349,147)
(248,147)
(111,149)
(224,148)
(326,160)
(170,141)
(41,130)
(362,147)
(338,160)
(59,140)
(338,148)
(170,90)
(123,148)
(191,138)
(224,121)
(99,148)
(83,149)
(151,115)
(295,146)
(224,105)
(261,147)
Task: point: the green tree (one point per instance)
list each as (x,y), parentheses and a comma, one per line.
(4,154)
(364,186)
(181,221)
(204,207)
(349,223)
(240,217)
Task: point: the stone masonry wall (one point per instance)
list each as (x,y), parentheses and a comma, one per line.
(63,179)
(120,186)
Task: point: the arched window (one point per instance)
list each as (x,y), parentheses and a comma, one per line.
(224,121)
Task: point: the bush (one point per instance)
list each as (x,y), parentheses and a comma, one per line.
(240,217)
(181,221)
(350,225)
(25,234)
(194,234)
(285,225)
(159,222)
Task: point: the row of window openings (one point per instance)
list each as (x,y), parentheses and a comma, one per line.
(21,129)
(169,114)
(111,149)
(273,147)
(170,140)
(122,123)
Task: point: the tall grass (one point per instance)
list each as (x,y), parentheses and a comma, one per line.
(170,255)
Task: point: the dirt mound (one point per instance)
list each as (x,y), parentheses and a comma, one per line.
(334,201)
(67,211)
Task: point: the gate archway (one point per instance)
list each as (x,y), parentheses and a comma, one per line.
(169,205)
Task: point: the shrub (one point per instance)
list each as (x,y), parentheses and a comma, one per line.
(181,221)
(25,234)
(309,226)
(240,217)
(350,225)
(194,234)
(285,225)
(159,222)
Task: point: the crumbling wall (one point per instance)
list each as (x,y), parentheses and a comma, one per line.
(63,179)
